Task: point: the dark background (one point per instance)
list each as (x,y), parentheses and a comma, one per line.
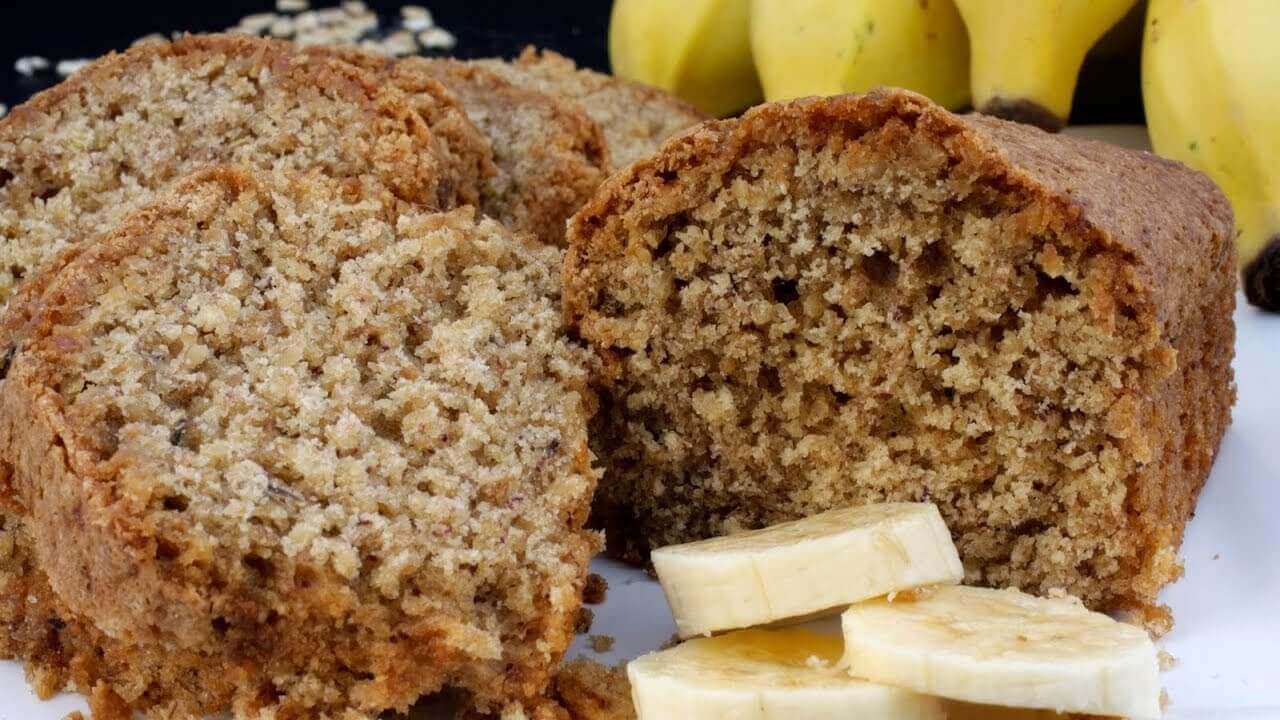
(63,29)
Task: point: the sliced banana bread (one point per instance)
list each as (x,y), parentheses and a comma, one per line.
(286,443)
(866,298)
(550,155)
(636,118)
(463,149)
(80,156)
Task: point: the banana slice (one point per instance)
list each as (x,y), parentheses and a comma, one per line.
(806,567)
(786,674)
(1004,647)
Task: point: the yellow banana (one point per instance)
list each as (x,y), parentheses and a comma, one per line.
(827,47)
(697,49)
(1027,53)
(1211,86)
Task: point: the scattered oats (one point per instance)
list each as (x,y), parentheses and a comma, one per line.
(437,38)
(355,7)
(400,43)
(256,23)
(32,599)
(309,20)
(68,67)
(30,65)
(292,5)
(74,715)
(331,16)
(411,12)
(813,662)
(602,643)
(315,38)
(364,23)
(151,38)
(1167,661)
(416,24)
(891,596)
(282,27)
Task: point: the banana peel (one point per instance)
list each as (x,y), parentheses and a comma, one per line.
(1027,55)
(699,50)
(828,47)
(1209,86)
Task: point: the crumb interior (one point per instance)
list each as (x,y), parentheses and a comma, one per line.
(305,397)
(550,156)
(854,320)
(129,126)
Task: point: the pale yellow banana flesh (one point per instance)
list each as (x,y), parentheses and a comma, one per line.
(827,47)
(803,568)
(764,675)
(791,674)
(1026,55)
(1210,86)
(1003,647)
(697,49)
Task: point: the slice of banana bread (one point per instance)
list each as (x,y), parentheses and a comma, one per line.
(463,149)
(636,118)
(80,156)
(550,155)
(286,443)
(866,298)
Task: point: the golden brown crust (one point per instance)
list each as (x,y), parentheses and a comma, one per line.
(636,118)
(465,154)
(278,627)
(550,155)
(1140,245)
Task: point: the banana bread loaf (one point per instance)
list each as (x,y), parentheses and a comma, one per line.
(866,298)
(550,155)
(635,118)
(286,444)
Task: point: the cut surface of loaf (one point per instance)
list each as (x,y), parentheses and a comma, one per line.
(550,155)
(82,155)
(635,118)
(463,150)
(315,449)
(865,298)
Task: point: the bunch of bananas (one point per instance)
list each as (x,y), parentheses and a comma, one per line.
(1210,73)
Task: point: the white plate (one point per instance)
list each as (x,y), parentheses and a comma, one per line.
(1227,606)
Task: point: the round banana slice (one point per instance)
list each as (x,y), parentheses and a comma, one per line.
(803,568)
(786,674)
(1004,647)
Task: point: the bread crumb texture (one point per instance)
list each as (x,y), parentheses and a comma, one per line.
(591,691)
(77,158)
(636,119)
(281,445)
(550,155)
(860,299)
